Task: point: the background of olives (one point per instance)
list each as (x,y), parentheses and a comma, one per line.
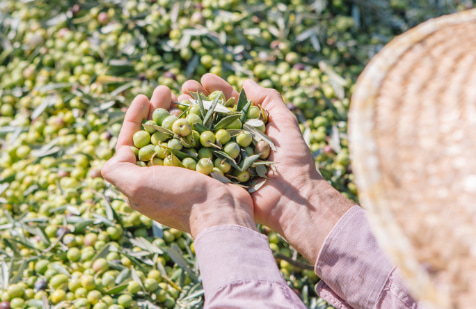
(69,69)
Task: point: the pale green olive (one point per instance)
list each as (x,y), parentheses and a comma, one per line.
(159,115)
(182,127)
(207,138)
(141,139)
(244,139)
(204,166)
(232,149)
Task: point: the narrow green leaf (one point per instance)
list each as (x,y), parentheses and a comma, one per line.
(200,128)
(230,160)
(220,177)
(178,258)
(5,274)
(102,254)
(118,289)
(264,163)
(136,278)
(200,104)
(256,185)
(209,114)
(181,155)
(19,273)
(60,269)
(226,121)
(123,275)
(248,161)
(242,100)
(244,112)
(102,219)
(145,244)
(259,136)
(158,128)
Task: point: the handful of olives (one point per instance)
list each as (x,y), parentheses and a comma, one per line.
(213,136)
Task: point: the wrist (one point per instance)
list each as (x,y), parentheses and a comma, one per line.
(306,226)
(222,209)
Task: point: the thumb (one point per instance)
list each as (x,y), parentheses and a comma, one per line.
(269,99)
(281,119)
(121,170)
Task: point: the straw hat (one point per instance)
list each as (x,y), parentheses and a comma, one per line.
(412,133)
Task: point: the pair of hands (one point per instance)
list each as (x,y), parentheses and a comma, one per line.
(293,201)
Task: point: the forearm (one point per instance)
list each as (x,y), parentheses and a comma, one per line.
(305,225)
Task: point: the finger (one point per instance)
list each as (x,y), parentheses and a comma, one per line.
(283,124)
(161,97)
(266,97)
(184,97)
(138,111)
(174,99)
(121,169)
(211,83)
(193,86)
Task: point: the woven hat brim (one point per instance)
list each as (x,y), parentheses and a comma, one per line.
(412,133)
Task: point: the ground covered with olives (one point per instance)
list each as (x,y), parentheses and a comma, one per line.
(68,72)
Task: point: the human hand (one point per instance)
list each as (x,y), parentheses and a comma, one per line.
(174,196)
(295,201)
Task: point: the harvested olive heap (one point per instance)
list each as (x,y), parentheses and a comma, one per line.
(68,72)
(211,135)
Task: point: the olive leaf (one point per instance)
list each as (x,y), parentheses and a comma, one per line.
(103,253)
(259,136)
(60,269)
(200,104)
(234,132)
(230,160)
(175,255)
(256,185)
(210,111)
(220,177)
(248,161)
(143,243)
(123,275)
(242,100)
(158,128)
(136,278)
(199,127)
(244,112)
(118,289)
(181,155)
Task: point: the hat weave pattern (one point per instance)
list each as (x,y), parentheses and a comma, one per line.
(412,133)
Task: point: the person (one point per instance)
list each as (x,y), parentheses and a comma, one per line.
(236,264)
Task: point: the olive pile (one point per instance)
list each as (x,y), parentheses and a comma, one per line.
(210,135)
(68,72)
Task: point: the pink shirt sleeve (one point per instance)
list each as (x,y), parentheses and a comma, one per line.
(354,271)
(238,270)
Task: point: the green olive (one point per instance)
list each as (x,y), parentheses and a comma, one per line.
(159,115)
(204,166)
(168,122)
(207,138)
(146,152)
(141,139)
(232,149)
(182,127)
(189,163)
(222,136)
(244,139)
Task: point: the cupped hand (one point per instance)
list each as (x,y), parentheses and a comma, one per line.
(295,199)
(174,196)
